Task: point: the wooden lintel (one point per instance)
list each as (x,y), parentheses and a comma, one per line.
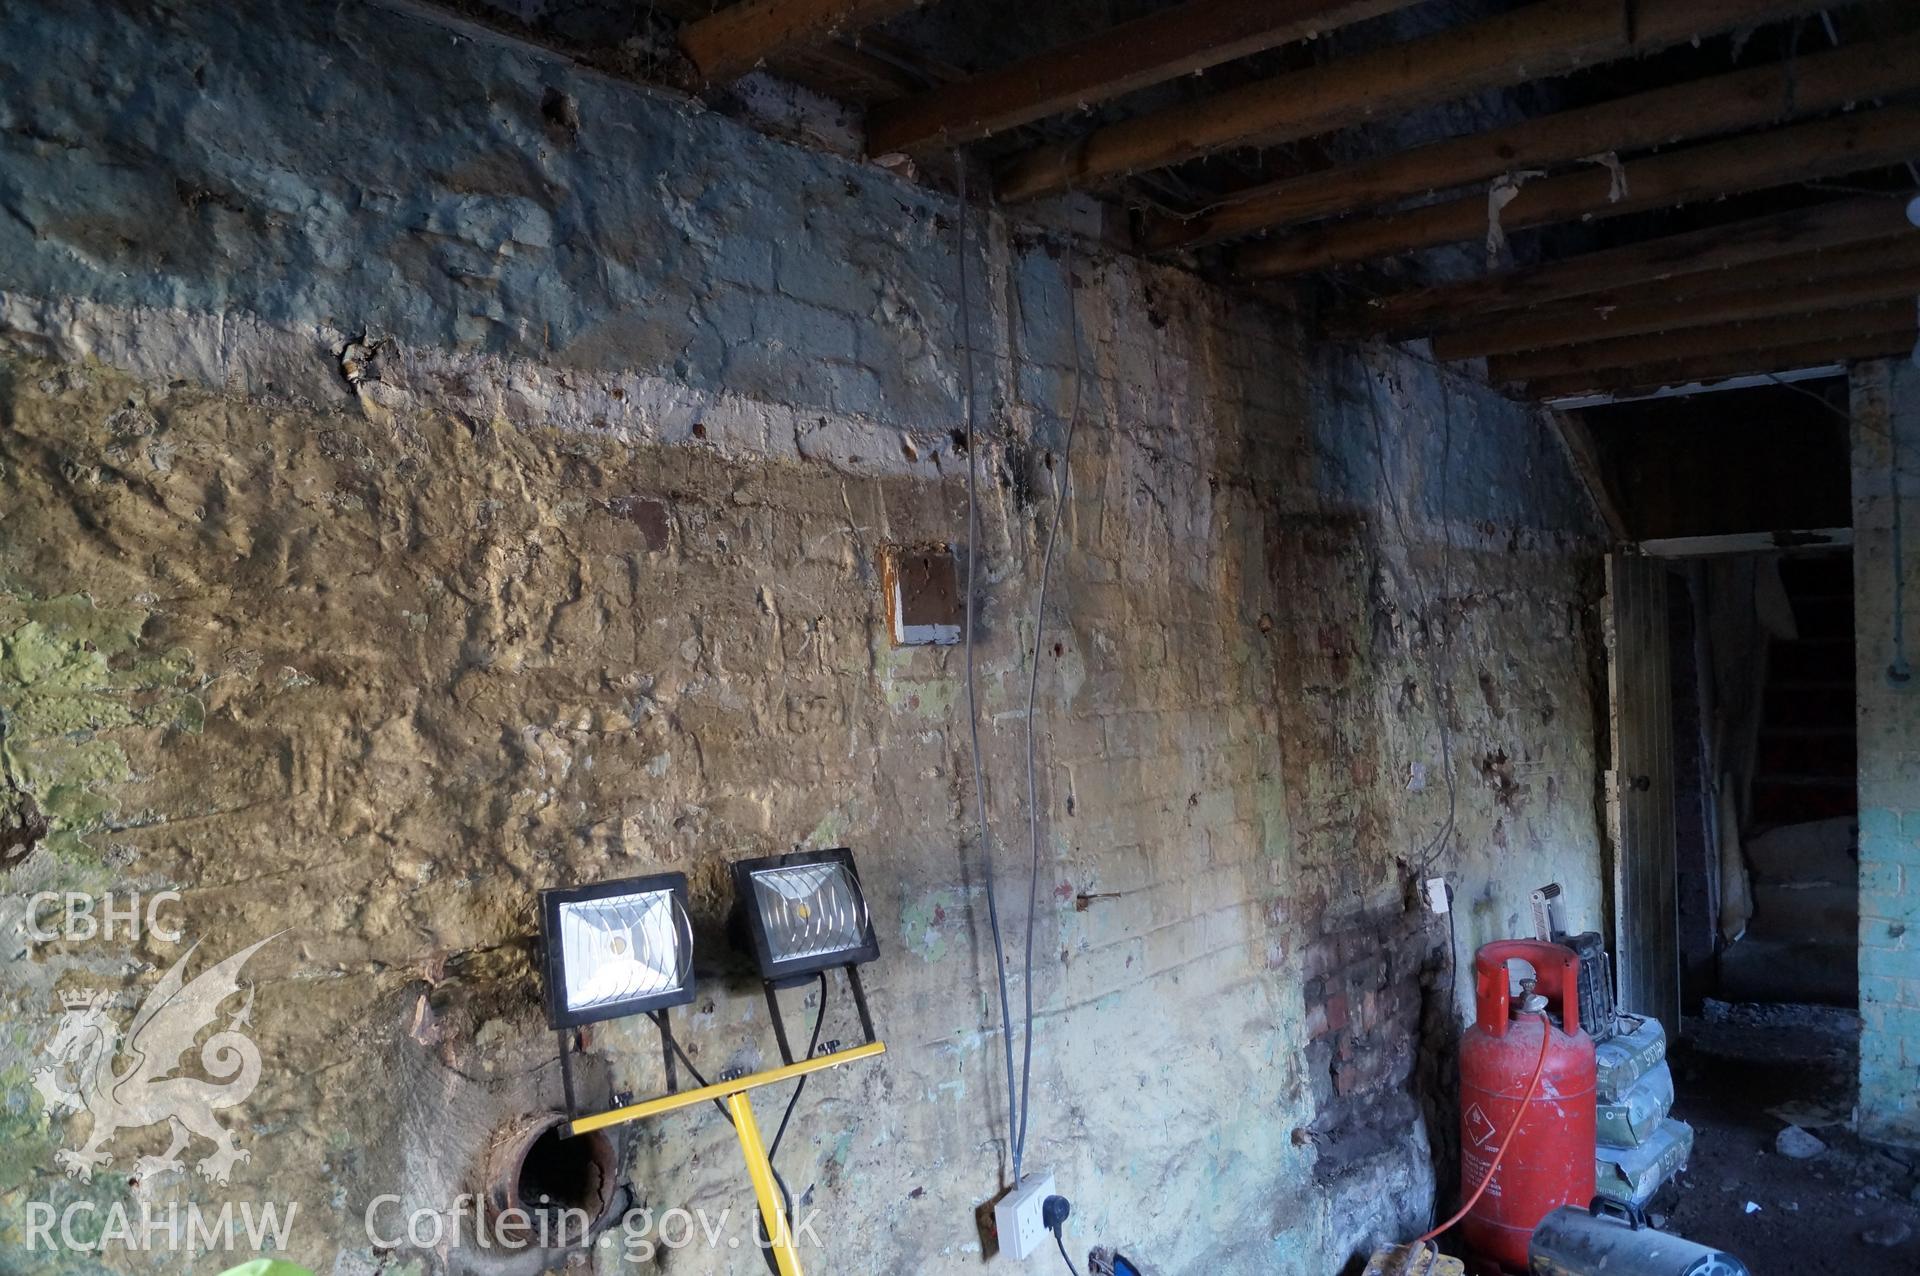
(1790,539)
(1687,389)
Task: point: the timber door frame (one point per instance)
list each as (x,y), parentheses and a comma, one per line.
(1639,784)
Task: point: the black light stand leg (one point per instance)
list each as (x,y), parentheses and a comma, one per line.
(860,1003)
(566,1073)
(659,1018)
(779,1024)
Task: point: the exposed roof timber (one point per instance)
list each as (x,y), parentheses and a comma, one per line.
(1720,104)
(1740,362)
(1751,381)
(846,73)
(732,41)
(1660,347)
(1753,161)
(1877,271)
(1550,38)
(1133,55)
(1728,247)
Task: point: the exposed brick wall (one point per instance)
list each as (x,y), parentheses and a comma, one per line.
(1363,998)
(1886,430)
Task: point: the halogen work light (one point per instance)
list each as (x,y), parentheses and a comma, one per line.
(624,948)
(616,948)
(804,912)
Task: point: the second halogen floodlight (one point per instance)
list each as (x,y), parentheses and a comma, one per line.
(803,912)
(616,948)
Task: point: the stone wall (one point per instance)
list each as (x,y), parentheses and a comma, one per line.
(1886,451)
(409,501)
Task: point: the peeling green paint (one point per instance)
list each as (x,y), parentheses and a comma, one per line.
(72,672)
(1270,805)
(830,831)
(924,923)
(923,697)
(26,1146)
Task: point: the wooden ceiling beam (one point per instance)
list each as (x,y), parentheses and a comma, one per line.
(730,42)
(1744,362)
(1796,285)
(1535,41)
(1134,55)
(1720,104)
(1691,343)
(843,73)
(1752,161)
(1445,307)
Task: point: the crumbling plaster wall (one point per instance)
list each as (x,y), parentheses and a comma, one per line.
(1886,452)
(580,580)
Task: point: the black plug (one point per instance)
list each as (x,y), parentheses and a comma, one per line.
(1053,1216)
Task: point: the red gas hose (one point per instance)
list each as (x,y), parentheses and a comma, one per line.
(1546,1039)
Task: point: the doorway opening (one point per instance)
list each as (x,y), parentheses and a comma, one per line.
(1766,841)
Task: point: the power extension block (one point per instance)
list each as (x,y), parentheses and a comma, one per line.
(1016,1216)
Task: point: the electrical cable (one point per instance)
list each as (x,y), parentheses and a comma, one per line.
(813,1046)
(1436,845)
(1500,1154)
(674,1045)
(1900,671)
(973,711)
(773,1149)
(1061,1242)
(1054,1213)
(1060,492)
(786,1196)
(1453,945)
(1018,1092)
(1446,591)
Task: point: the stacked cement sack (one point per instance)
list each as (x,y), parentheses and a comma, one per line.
(1641,1147)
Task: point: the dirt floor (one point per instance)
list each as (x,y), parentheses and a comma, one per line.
(1744,1073)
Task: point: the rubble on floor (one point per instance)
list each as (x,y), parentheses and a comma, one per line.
(1746,1074)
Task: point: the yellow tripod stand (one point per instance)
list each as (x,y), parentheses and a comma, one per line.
(736,1095)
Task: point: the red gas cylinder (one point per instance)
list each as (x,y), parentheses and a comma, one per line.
(1549,1163)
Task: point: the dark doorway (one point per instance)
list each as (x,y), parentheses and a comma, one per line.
(1766,845)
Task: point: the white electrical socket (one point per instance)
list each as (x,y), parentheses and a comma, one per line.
(1439,898)
(1016,1216)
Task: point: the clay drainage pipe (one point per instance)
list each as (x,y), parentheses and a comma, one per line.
(556,1181)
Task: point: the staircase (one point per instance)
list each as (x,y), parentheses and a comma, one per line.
(1808,760)
(1802,846)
